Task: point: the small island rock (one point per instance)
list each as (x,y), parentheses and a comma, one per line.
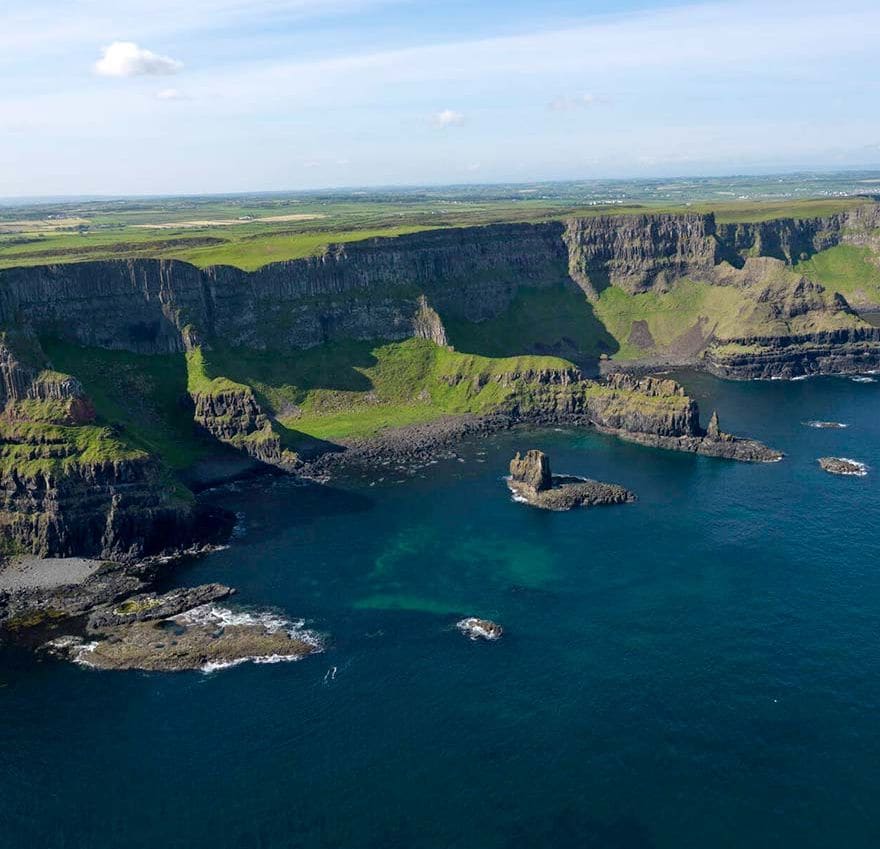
(531,482)
(843,466)
(479,629)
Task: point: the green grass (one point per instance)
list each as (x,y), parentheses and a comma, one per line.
(849,269)
(669,315)
(145,395)
(557,319)
(354,389)
(255,251)
(32,449)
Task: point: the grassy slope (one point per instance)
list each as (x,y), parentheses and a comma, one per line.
(39,448)
(557,320)
(145,395)
(853,271)
(730,311)
(354,389)
(668,315)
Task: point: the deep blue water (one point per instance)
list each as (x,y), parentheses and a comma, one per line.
(700,669)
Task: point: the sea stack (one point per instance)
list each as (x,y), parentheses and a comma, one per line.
(533,470)
(531,482)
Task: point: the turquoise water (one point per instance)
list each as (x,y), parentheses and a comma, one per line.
(699,669)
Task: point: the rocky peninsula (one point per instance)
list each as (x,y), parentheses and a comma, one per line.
(532,482)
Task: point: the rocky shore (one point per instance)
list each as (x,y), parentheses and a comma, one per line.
(532,482)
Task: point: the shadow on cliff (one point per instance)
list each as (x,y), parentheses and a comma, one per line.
(554,321)
(331,367)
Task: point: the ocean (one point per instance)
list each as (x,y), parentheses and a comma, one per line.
(698,669)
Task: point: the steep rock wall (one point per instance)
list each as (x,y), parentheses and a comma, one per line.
(635,252)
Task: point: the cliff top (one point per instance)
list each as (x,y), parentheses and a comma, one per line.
(248,235)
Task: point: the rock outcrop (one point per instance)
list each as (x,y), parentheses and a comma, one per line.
(205,638)
(843,466)
(71,487)
(531,482)
(480,629)
(532,471)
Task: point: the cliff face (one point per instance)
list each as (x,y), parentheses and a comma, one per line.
(792,239)
(70,487)
(109,509)
(637,252)
(394,288)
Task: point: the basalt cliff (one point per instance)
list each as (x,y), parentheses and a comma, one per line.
(274,359)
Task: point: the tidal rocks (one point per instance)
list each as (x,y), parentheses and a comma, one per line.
(843,466)
(150,606)
(480,629)
(531,482)
(206,638)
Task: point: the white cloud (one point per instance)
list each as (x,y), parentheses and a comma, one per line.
(448,118)
(571,102)
(126,59)
(171,94)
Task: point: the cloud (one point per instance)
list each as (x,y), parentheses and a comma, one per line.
(448,118)
(171,94)
(126,59)
(569,103)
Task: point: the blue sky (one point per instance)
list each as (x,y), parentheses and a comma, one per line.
(179,96)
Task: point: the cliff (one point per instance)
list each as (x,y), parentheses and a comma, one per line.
(640,251)
(364,336)
(414,285)
(71,487)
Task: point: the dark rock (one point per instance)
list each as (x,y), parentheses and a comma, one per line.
(713,431)
(149,606)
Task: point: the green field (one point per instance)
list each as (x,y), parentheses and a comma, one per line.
(249,232)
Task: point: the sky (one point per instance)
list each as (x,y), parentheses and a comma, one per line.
(195,96)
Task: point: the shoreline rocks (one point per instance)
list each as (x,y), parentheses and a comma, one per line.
(843,466)
(532,482)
